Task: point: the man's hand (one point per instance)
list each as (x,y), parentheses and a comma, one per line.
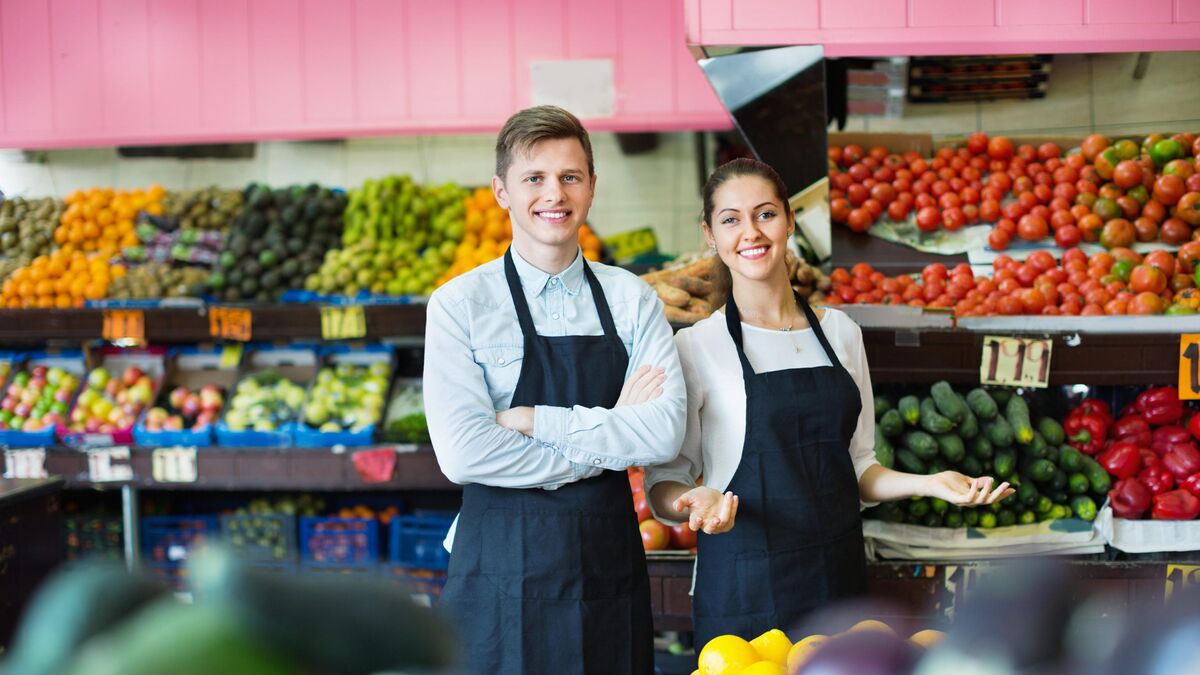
(644,385)
(708,509)
(519,419)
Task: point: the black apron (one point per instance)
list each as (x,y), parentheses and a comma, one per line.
(797,543)
(554,581)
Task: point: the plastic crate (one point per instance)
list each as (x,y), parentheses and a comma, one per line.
(416,541)
(306,436)
(244,534)
(339,543)
(69,360)
(167,541)
(425,586)
(92,537)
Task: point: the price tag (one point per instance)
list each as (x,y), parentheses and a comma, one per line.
(25,463)
(1189,366)
(343,323)
(174,465)
(231,356)
(124,324)
(109,465)
(1015,362)
(1180,577)
(229,323)
(626,246)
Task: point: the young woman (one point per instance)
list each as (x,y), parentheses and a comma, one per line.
(780,425)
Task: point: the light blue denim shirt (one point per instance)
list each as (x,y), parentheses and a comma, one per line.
(473,354)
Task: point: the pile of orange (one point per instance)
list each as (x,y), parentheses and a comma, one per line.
(488,232)
(60,280)
(102,219)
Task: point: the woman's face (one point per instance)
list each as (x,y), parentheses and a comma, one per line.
(750,228)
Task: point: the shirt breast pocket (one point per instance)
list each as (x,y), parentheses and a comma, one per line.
(501,368)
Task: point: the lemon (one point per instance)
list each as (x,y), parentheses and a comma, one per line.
(772,646)
(726,655)
(763,668)
(802,651)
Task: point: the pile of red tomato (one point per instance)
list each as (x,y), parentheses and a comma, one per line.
(1120,281)
(1113,193)
(657,536)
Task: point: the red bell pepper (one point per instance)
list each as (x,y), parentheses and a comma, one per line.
(1193,425)
(1160,405)
(1122,459)
(1182,460)
(1149,458)
(1191,484)
(1176,505)
(1093,406)
(1156,479)
(1086,432)
(1132,428)
(1167,436)
(1129,499)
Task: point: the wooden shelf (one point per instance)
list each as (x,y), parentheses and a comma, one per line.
(261,469)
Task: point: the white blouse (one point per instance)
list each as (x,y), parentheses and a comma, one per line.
(716,392)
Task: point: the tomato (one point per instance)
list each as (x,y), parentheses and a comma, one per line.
(1179,167)
(1066,174)
(835,154)
(1174,232)
(1041,260)
(949,200)
(998,239)
(1000,147)
(1010,305)
(1129,206)
(884,193)
(1187,208)
(682,537)
(953,219)
(884,175)
(977,143)
(925,199)
(1008,225)
(1146,303)
(857,194)
(939,188)
(1117,306)
(842,181)
(1022,184)
(918,166)
(874,208)
(870,162)
(1193,182)
(1000,181)
(1066,191)
(898,211)
(642,508)
(1067,236)
(1014,210)
(1128,174)
(1043,193)
(1162,261)
(1117,232)
(902,185)
(1139,193)
(655,535)
(878,152)
(1145,229)
(1189,253)
(1182,281)
(1033,301)
(1154,211)
(969,195)
(1032,228)
(1061,219)
(928,219)
(1106,208)
(1106,163)
(1147,278)
(1093,145)
(860,220)
(989,210)
(1168,189)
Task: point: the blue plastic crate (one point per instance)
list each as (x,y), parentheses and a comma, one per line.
(280,438)
(339,543)
(416,541)
(72,361)
(167,541)
(242,533)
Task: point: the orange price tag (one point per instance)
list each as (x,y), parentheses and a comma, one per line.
(124,324)
(229,323)
(1189,366)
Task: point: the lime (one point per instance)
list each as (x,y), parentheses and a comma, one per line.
(1165,151)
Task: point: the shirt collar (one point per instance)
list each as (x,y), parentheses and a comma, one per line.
(534,280)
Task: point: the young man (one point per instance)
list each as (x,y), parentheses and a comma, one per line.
(546,377)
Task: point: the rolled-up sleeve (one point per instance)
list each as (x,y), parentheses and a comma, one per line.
(689,464)
(635,435)
(470,446)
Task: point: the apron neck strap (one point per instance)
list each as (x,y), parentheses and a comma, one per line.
(733,320)
(522,305)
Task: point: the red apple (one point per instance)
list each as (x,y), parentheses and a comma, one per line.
(38,371)
(62,396)
(176,397)
(173,423)
(655,535)
(682,537)
(22,410)
(191,405)
(113,386)
(92,425)
(14,390)
(8,404)
(131,375)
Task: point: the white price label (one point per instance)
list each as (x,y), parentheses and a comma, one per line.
(109,465)
(25,463)
(1015,362)
(174,465)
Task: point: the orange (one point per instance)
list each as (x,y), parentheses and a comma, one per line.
(154,209)
(927,638)
(773,646)
(74,197)
(95,290)
(802,651)
(117,271)
(44,287)
(62,301)
(91,230)
(105,217)
(25,289)
(726,655)
(871,624)
(44,302)
(78,287)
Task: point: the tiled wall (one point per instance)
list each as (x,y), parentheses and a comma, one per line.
(655,189)
(1088,93)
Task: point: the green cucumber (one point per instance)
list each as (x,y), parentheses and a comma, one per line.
(969,427)
(882,405)
(1000,396)
(1017,413)
(1051,430)
(982,403)
(1077,484)
(951,447)
(1038,448)
(885,454)
(981,447)
(933,421)
(1070,459)
(953,519)
(1005,462)
(922,444)
(891,423)
(907,460)
(970,517)
(971,466)
(1027,494)
(999,432)
(910,410)
(948,401)
(1042,470)
(1097,477)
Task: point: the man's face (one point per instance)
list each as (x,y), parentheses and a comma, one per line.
(547,191)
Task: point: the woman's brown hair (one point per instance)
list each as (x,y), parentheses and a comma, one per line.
(723,174)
